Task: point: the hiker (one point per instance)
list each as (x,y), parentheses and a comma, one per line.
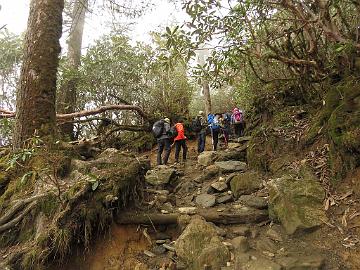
(214,124)
(237,120)
(199,126)
(180,141)
(161,131)
(225,126)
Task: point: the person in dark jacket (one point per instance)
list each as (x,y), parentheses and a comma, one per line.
(201,135)
(164,143)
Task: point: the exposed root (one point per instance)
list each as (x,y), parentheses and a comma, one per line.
(18,206)
(14,221)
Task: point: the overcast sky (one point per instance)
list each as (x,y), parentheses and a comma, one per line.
(14,15)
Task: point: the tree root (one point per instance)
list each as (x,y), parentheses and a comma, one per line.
(17,206)
(14,221)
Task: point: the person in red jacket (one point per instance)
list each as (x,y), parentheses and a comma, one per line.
(180,141)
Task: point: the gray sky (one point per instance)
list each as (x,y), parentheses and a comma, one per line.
(14,14)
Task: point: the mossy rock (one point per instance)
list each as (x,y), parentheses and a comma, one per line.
(245,183)
(296,201)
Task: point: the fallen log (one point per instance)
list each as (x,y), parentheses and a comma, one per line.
(233,216)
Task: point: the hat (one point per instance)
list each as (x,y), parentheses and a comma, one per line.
(167,120)
(201,113)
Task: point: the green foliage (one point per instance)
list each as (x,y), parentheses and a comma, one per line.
(113,71)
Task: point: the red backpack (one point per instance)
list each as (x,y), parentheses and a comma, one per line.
(238,117)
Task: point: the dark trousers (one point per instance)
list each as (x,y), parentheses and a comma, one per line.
(163,144)
(201,142)
(215,137)
(178,145)
(226,136)
(239,129)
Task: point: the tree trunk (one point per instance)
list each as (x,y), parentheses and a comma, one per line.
(207,97)
(35,105)
(67,98)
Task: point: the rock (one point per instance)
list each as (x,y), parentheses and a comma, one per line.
(205,200)
(215,255)
(275,233)
(260,263)
(224,199)
(295,262)
(169,247)
(149,253)
(296,203)
(245,183)
(231,166)
(194,238)
(183,221)
(240,230)
(210,172)
(187,210)
(219,186)
(234,154)
(253,201)
(167,207)
(219,231)
(240,244)
(160,175)
(206,158)
(158,250)
(265,244)
(160,242)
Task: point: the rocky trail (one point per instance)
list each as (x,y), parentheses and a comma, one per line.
(213,212)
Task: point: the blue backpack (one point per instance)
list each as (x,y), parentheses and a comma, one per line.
(213,122)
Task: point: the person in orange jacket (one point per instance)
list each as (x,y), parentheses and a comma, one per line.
(180,141)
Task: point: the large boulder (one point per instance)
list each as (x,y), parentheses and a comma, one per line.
(199,244)
(207,158)
(231,166)
(160,175)
(245,183)
(296,201)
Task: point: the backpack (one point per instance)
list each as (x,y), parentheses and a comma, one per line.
(213,122)
(158,128)
(196,125)
(173,132)
(227,117)
(238,117)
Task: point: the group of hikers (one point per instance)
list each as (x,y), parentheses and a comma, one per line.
(216,124)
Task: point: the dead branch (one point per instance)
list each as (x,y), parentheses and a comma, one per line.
(123,107)
(70,116)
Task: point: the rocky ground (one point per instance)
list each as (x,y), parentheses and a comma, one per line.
(214,212)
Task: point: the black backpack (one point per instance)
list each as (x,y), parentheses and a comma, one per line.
(196,124)
(158,128)
(172,132)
